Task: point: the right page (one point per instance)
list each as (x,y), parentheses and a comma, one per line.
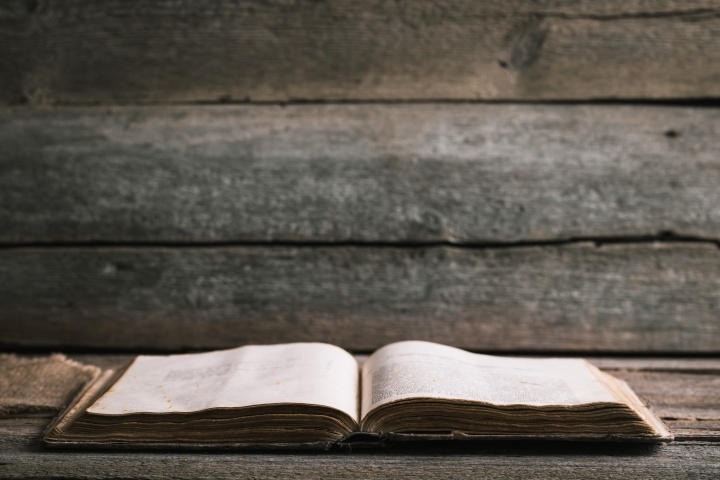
(416,386)
(423,369)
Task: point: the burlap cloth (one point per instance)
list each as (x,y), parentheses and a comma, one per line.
(40,385)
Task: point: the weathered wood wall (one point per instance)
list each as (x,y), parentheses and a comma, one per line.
(120,51)
(166,228)
(163,227)
(641,298)
(363,173)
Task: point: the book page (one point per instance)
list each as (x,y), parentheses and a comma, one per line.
(422,369)
(299,373)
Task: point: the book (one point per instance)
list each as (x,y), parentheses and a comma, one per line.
(315,395)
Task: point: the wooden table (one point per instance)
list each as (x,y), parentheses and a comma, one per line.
(683,391)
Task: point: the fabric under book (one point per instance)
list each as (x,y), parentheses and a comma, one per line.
(303,395)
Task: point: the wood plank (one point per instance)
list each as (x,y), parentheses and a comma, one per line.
(115,51)
(671,365)
(659,364)
(22,456)
(678,396)
(697,430)
(362,173)
(579,298)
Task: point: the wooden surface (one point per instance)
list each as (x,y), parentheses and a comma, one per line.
(694,454)
(119,51)
(367,173)
(22,456)
(641,297)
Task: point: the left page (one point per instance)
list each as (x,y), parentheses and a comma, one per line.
(296,373)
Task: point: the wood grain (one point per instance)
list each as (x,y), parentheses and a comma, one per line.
(615,365)
(659,364)
(363,173)
(22,456)
(119,51)
(579,298)
(678,396)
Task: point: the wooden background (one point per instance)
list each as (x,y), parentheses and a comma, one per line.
(363,194)
(151,51)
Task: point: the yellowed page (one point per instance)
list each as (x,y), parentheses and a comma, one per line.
(422,369)
(299,373)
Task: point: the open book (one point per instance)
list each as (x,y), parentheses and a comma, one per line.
(314,394)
